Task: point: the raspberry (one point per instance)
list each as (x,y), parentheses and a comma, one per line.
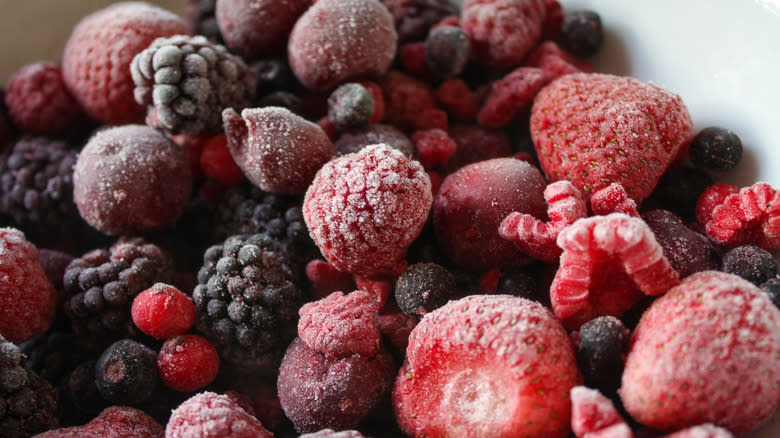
(277,150)
(350,106)
(716,149)
(750,262)
(257,28)
(186,82)
(27,298)
(476,143)
(130,179)
(414,18)
(447,50)
(582,33)
(212,415)
(455,96)
(472,202)
(217,162)
(162,311)
(353,141)
(39,103)
(486,365)
(187,363)
(100,49)
(594,416)
(406,100)
(325,279)
(687,250)
(414,63)
(509,95)
(126,372)
(602,345)
(395,327)
(433,146)
(694,356)
(555,62)
(335,41)
(424,287)
(114,421)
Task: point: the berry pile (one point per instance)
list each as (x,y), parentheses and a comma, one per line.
(350,218)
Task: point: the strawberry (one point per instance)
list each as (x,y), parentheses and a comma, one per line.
(705,352)
(596,129)
(487,365)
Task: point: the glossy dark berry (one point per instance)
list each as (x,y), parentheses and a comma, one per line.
(521,283)
(678,190)
(716,149)
(126,372)
(750,262)
(424,287)
(350,106)
(273,74)
(601,350)
(582,33)
(447,50)
(772,289)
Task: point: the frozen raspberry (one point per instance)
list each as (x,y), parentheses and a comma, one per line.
(447,49)
(339,40)
(750,262)
(325,279)
(212,415)
(424,287)
(100,49)
(363,210)
(414,18)
(257,28)
(433,146)
(355,140)
(113,422)
(126,372)
(162,311)
(473,201)
(186,82)
(39,103)
(350,106)
(318,392)
(487,365)
(278,151)
(395,327)
(687,250)
(716,149)
(27,298)
(705,352)
(460,102)
(413,62)
(130,179)
(187,363)
(341,325)
(701,431)
(582,33)
(510,95)
(476,143)
(555,61)
(502,32)
(217,162)
(406,100)
(594,416)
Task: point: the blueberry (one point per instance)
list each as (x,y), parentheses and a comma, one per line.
(750,262)
(273,74)
(716,149)
(772,288)
(126,372)
(447,50)
(424,287)
(582,33)
(601,350)
(350,106)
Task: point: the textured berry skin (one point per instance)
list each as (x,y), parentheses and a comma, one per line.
(716,149)
(487,365)
(212,415)
(447,50)
(555,61)
(130,179)
(350,106)
(187,363)
(596,129)
(113,422)
(433,146)
(406,100)
(355,140)
(460,102)
(257,28)
(687,250)
(705,352)
(414,18)
(582,33)
(163,311)
(750,262)
(338,40)
(509,96)
(594,415)
(277,150)
(39,103)
(186,82)
(325,279)
(126,372)
(27,298)
(363,210)
(424,287)
(99,49)
(602,344)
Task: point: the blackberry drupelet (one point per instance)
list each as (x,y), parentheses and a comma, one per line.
(28,403)
(247,300)
(99,287)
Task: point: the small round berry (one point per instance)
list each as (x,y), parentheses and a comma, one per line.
(126,372)
(424,287)
(163,311)
(582,33)
(716,149)
(750,262)
(350,106)
(447,50)
(772,288)
(187,363)
(273,74)
(601,351)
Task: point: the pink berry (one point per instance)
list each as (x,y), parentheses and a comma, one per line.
(113,422)
(433,146)
(187,363)
(163,311)
(212,415)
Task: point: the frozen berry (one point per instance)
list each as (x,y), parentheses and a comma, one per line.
(594,415)
(273,74)
(330,433)
(163,311)
(200,15)
(126,372)
(602,345)
(325,279)
(350,106)
(582,33)
(406,100)
(510,95)
(687,250)
(456,97)
(414,18)
(424,287)
(772,289)
(447,50)
(715,149)
(678,190)
(476,143)
(434,146)
(750,262)
(355,140)
(340,324)
(217,162)
(187,363)
(211,415)
(114,421)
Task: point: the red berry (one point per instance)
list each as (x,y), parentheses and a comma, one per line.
(459,101)
(406,99)
(433,146)
(555,62)
(217,163)
(257,28)
(595,416)
(187,363)
(114,421)
(163,311)
(476,143)
(325,279)
(509,96)
(211,415)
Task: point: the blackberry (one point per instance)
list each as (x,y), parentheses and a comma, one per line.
(28,403)
(55,355)
(750,262)
(99,287)
(424,287)
(447,50)
(201,16)
(36,183)
(350,106)
(247,301)
(715,149)
(601,350)
(187,82)
(414,18)
(582,33)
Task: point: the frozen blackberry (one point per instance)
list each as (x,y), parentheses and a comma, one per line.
(36,183)
(424,287)
(55,355)
(447,50)
(28,403)
(413,18)
(247,301)
(715,149)
(601,350)
(350,106)
(99,287)
(750,262)
(772,288)
(188,81)
(126,372)
(201,17)
(582,33)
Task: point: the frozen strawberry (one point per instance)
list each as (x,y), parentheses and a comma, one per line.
(487,365)
(705,352)
(257,28)
(363,210)
(597,129)
(212,415)
(97,56)
(594,416)
(113,422)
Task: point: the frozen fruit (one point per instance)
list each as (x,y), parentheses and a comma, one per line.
(100,49)
(257,28)
(434,146)
(473,201)
(330,433)
(364,209)
(186,82)
(487,365)
(555,61)
(131,179)
(163,311)
(395,327)
(594,415)
(325,279)
(424,287)
(273,74)
(112,422)
(406,100)
(350,106)
(678,190)
(613,199)
(355,140)
(212,415)
(414,18)
(447,49)
(716,149)
(772,288)
(335,41)
(27,298)
(457,99)
(607,264)
(38,101)
(581,32)
(602,345)
(596,129)
(278,150)
(126,372)
(687,250)
(217,162)
(701,431)
(476,143)
(704,352)
(750,262)
(187,363)
(200,16)
(510,95)
(318,392)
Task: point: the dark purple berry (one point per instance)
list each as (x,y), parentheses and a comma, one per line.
(413,18)
(772,288)
(424,287)
(126,372)
(750,262)
(601,349)
(447,50)
(716,149)
(350,106)
(678,190)
(582,33)
(273,74)
(284,99)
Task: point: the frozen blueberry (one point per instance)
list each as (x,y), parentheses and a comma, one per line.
(750,262)
(350,106)
(126,372)
(447,50)
(716,149)
(601,350)
(424,287)
(582,33)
